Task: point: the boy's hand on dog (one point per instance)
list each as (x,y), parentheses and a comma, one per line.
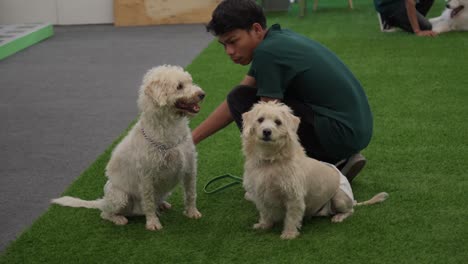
(426,33)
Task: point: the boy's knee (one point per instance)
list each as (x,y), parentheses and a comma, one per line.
(240,93)
(425,25)
(240,99)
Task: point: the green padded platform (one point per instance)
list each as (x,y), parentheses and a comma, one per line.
(14,38)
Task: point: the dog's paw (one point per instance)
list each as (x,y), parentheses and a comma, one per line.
(289,234)
(338,218)
(192,213)
(120,220)
(153,224)
(116,219)
(248,196)
(163,206)
(262,226)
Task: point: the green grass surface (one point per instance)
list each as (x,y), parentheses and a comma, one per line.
(417,88)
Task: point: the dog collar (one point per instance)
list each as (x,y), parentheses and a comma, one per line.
(161,147)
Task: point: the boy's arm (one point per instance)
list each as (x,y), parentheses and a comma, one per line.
(413,19)
(219,118)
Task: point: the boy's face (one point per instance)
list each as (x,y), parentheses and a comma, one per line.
(240,44)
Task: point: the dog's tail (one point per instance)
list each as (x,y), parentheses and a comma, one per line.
(378,198)
(76,202)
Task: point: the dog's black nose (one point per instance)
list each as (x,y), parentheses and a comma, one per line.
(201,96)
(447,6)
(266,132)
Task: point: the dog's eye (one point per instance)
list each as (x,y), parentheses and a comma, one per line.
(278,122)
(260,120)
(180,86)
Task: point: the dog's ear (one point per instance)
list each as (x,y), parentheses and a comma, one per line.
(149,91)
(157,92)
(293,124)
(246,123)
(295,121)
(292,120)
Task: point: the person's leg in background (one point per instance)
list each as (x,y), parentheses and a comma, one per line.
(399,17)
(423,6)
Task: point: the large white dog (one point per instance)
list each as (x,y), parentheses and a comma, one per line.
(453,18)
(155,156)
(282,181)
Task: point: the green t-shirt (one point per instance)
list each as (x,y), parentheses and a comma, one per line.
(286,64)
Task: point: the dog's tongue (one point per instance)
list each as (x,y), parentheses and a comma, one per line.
(194,108)
(456,11)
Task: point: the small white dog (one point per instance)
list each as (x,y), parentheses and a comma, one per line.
(156,154)
(282,181)
(453,18)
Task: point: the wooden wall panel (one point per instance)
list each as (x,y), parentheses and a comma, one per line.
(155,12)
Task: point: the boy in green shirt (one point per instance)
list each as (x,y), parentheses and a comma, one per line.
(336,120)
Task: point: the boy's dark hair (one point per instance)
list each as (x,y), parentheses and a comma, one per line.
(235,14)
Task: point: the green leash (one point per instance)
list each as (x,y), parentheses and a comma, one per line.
(235,180)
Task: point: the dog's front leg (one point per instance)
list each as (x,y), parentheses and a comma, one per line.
(148,205)
(190,195)
(263,223)
(440,27)
(294,213)
(442,23)
(435,20)
(266,220)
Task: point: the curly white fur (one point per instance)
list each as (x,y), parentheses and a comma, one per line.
(282,181)
(155,156)
(453,18)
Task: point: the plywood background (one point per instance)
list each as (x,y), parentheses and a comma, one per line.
(155,12)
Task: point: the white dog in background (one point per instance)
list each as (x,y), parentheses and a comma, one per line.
(155,156)
(453,18)
(282,181)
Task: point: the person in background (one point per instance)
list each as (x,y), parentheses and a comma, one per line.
(409,15)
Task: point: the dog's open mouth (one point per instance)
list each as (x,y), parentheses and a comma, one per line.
(456,10)
(189,107)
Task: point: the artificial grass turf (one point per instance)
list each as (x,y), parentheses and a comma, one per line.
(417,91)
